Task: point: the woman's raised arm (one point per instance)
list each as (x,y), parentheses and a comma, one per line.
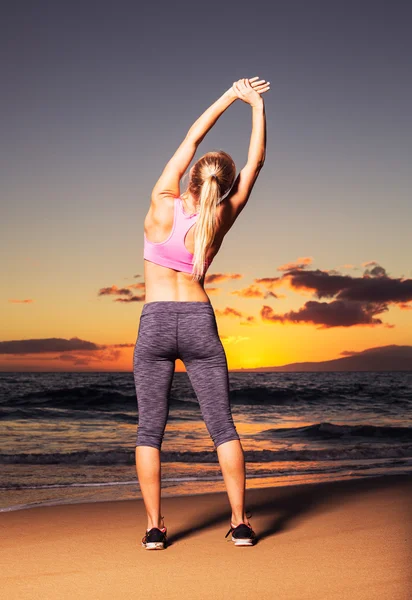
(168,182)
(206,121)
(245,181)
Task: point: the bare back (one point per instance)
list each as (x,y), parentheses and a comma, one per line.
(163,283)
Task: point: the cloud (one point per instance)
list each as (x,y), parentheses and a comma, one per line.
(377,271)
(61,345)
(338,313)
(218,277)
(114,291)
(269,282)
(253,291)
(28,301)
(35,346)
(137,286)
(300,263)
(107,354)
(121,345)
(265,291)
(140,298)
(228,312)
(374,286)
(73,359)
(380,289)
(369,263)
(249,320)
(322,283)
(356,300)
(233,312)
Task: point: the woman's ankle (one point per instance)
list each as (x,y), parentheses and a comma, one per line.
(237,520)
(159,523)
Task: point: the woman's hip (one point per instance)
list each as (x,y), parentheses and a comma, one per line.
(180,329)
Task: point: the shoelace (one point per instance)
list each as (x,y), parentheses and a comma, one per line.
(233,528)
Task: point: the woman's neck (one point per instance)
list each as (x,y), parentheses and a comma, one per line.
(190,203)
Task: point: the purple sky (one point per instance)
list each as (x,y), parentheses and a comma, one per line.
(97,96)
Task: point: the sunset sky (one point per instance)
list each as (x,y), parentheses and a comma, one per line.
(96,97)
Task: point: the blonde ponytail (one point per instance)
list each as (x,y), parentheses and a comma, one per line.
(211,174)
(205,226)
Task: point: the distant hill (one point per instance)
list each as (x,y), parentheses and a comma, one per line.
(383,358)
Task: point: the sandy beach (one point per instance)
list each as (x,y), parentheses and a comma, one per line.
(344,540)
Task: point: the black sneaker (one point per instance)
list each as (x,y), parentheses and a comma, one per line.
(155,538)
(242,535)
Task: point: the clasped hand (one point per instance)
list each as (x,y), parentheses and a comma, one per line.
(250,90)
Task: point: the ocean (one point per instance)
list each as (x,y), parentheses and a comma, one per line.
(70,437)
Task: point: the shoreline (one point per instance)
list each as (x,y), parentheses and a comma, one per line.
(164,494)
(347,539)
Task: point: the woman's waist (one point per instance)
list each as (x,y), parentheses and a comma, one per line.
(183,306)
(173,290)
(190,293)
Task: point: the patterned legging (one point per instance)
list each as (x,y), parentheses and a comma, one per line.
(186,330)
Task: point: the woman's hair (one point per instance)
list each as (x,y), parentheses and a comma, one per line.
(211,177)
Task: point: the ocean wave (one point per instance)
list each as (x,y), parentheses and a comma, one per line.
(31,405)
(332,431)
(108,397)
(288,471)
(346,395)
(124,456)
(86,415)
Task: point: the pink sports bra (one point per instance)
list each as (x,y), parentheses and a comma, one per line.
(172,252)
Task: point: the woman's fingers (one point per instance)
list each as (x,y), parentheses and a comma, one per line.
(262,89)
(255,84)
(251,80)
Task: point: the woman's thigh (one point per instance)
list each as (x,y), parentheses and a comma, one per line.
(153,369)
(203,355)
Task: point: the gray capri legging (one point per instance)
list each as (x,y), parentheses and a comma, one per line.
(186,330)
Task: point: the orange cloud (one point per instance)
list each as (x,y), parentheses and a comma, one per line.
(232,312)
(137,286)
(253,291)
(114,291)
(140,298)
(228,312)
(300,263)
(218,277)
(369,263)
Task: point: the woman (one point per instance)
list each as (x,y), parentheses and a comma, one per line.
(182,234)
